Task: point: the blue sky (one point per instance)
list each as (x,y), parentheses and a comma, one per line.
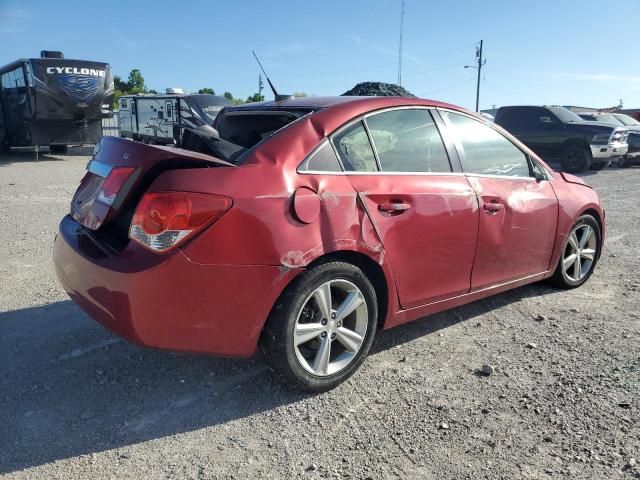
(579,52)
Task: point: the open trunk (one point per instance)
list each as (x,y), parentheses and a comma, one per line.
(117,176)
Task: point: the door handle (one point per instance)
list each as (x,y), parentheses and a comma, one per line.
(394,208)
(493,207)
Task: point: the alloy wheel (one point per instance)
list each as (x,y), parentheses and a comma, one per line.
(579,254)
(330,328)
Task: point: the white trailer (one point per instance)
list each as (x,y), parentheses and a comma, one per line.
(160,119)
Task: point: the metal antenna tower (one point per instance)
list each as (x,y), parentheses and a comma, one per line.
(402,8)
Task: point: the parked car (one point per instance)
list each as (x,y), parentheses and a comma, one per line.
(556,133)
(633,154)
(332,218)
(633,140)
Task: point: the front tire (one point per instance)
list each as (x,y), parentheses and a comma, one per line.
(322,327)
(575,159)
(579,254)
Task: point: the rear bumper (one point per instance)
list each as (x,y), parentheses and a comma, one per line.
(168,301)
(608,151)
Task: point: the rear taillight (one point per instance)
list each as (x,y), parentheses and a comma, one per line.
(163,220)
(113,183)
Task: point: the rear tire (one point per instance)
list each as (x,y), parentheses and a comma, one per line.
(5,148)
(58,149)
(306,323)
(580,254)
(575,159)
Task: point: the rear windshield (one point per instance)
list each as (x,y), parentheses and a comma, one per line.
(236,131)
(247,128)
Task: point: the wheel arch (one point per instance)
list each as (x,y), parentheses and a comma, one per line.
(599,220)
(576,141)
(372,269)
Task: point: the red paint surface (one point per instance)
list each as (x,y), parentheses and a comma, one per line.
(515,240)
(214,293)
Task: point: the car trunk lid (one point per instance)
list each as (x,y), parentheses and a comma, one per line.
(119,172)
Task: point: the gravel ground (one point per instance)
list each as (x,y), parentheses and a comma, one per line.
(77,402)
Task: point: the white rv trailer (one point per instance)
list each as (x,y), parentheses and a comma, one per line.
(161,119)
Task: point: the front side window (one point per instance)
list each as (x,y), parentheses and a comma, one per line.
(484,150)
(354,149)
(407,140)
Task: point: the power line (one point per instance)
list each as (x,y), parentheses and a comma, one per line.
(468,80)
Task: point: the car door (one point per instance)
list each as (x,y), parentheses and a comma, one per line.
(425,213)
(519,213)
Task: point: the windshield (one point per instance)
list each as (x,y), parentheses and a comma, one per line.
(564,114)
(626,119)
(208,106)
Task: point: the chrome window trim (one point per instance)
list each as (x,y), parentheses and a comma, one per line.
(395,174)
(372,143)
(361,118)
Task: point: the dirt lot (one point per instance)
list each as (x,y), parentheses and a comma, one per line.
(77,402)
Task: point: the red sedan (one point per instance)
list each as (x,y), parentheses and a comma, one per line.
(318,221)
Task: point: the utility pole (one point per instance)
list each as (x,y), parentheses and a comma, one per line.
(480,64)
(400,47)
(260,85)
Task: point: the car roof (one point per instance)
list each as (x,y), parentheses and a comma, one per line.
(318,103)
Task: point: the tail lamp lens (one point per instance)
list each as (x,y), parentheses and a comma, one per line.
(113,183)
(163,220)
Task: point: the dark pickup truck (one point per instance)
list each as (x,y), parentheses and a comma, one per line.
(556,133)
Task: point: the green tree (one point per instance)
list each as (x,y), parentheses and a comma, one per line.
(300,94)
(228,96)
(136,81)
(119,84)
(207,90)
(256,97)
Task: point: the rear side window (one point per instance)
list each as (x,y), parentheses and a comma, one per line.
(322,160)
(485,151)
(407,140)
(354,149)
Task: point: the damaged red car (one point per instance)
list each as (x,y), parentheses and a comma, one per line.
(303,226)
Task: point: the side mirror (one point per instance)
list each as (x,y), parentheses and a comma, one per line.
(539,176)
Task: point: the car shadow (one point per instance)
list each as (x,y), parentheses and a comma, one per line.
(68,387)
(29,155)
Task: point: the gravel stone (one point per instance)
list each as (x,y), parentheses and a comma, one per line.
(488,369)
(156,414)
